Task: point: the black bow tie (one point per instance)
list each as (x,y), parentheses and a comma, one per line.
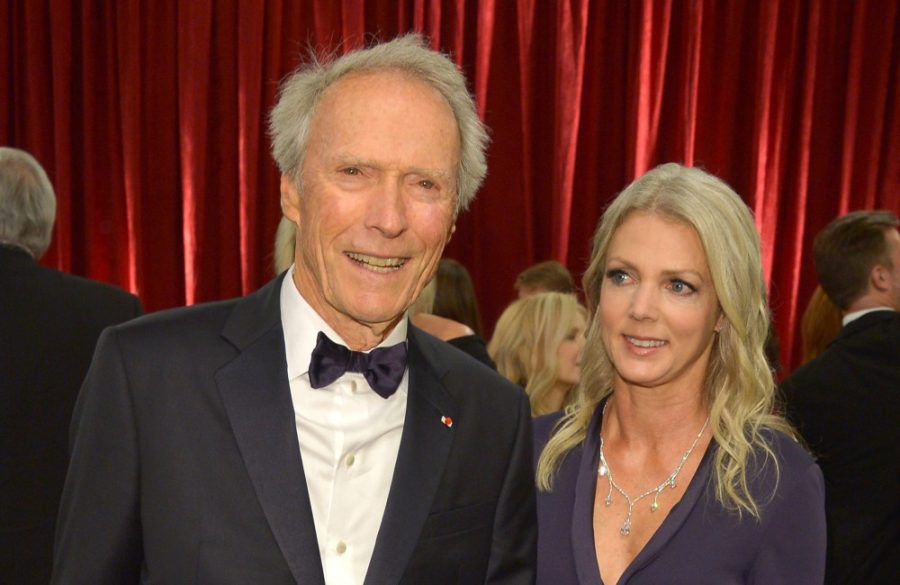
(382,367)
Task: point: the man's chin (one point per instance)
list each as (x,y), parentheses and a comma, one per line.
(370,315)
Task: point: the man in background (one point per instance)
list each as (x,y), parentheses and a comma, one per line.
(846,402)
(49,325)
(549,276)
(307,433)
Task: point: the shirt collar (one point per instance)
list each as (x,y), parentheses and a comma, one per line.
(301,325)
(857,314)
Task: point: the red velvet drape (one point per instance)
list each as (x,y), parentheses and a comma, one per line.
(150,118)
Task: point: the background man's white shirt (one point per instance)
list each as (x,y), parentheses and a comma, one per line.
(849,317)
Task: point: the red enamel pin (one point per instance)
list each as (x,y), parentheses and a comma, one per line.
(447,421)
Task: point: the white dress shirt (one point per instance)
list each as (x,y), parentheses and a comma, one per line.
(349,439)
(849,317)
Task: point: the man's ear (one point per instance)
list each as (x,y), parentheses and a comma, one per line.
(290,198)
(880,278)
(452,231)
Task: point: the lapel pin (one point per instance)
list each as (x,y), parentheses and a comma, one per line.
(447,421)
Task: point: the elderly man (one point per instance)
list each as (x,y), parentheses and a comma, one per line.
(846,402)
(49,325)
(307,433)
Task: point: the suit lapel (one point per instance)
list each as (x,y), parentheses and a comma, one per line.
(256,394)
(423,454)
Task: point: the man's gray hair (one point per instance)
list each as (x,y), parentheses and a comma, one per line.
(27,202)
(291,118)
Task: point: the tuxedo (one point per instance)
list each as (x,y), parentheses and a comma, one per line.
(846,405)
(49,325)
(186,465)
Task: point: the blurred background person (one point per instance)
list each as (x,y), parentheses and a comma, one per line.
(820,324)
(846,402)
(671,466)
(549,276)
(49,325)
(537,343)
(453,332)
(455,297)
(285,241)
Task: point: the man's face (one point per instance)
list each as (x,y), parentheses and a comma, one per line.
(377,201)
(893,244)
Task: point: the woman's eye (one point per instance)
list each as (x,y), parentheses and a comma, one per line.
(680,287)
(617,276)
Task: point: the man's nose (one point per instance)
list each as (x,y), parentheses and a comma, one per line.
(387,208)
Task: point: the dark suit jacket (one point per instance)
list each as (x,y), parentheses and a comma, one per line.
(49,325)
(186,466)
(846,404)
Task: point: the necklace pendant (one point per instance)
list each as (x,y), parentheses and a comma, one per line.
(626,528)
(602,470)
(654,506)
(608,500)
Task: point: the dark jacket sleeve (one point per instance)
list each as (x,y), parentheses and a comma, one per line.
(98,535)
(793,547)
(514,548)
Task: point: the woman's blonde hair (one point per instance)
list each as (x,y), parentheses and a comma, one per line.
(527,338)
(739,386)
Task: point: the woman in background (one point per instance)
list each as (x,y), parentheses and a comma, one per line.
(537,344)
(671,467)
(454,297)
(453,332)
(820,324)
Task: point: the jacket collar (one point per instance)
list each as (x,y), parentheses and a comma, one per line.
(865,321)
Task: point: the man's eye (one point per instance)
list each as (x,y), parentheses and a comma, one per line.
(352,171)
(426,184)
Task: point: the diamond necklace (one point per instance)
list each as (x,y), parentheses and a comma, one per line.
(604,470)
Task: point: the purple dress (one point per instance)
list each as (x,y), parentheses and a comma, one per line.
(699,542)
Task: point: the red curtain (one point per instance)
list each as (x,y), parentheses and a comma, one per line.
(150,118)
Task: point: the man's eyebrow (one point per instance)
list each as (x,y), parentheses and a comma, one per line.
(437,173)
(346,159)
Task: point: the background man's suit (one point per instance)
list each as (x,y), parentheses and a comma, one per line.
(49,325)
(846,404)
(204,482)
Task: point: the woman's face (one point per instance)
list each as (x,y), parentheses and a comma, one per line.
(658,308)
(569,353)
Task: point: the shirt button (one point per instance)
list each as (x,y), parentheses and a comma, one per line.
(350,459)
(341,548)
(353,386)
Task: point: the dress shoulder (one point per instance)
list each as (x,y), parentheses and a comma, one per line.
(544,426)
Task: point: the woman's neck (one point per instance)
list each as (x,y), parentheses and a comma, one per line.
(556,397)
(643,417)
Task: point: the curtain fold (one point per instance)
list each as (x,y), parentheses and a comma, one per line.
(150,117)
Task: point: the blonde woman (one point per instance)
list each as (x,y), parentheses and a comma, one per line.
(537,344)
(670,466)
